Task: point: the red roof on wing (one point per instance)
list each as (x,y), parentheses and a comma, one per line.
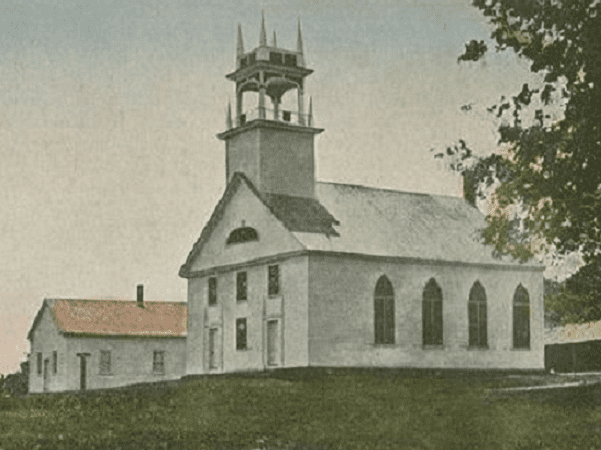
(118,318)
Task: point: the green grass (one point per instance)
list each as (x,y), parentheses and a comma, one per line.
(340,411)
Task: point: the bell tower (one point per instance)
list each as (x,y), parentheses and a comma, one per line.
(273,147)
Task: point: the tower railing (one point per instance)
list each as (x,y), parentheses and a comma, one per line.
(281,115)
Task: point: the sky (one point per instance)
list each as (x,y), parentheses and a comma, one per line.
(109,164)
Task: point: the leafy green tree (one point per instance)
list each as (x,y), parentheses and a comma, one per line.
(546,182)
(544,186)
(578,300)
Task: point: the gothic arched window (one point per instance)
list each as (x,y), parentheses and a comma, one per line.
(243,234)
(476,313)
(521,318)
(384,311)
(432,313)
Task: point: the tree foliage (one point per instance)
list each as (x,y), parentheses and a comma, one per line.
(547,178)
(578,300)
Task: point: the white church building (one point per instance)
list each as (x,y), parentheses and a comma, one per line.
(292,272)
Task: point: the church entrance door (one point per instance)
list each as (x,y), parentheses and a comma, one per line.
(213,348)
(46,365)
(272,342)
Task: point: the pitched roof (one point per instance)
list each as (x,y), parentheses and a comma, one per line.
(117,317)
(392,223)
(295,213)
(301,214)
(574,332)
(345,218)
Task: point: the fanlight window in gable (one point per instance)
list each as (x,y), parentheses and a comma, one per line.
(384,311)
(243,234)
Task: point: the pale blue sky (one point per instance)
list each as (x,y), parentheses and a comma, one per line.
(109,165)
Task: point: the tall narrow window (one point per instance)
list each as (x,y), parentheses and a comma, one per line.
(54,362)
(384,311)
(241,334)
(241,286)
(212,291)
(273,280)
(39,363)
(521,318)
(158,362)
(105,362)
(432,314)
(476,313)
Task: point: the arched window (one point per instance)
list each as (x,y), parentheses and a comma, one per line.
(244,234)
(384,311)
(432,313)
(476,313)
(521,318)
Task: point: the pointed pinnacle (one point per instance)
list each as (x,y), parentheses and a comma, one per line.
(299,40)
(240,46)
(299,46)
(275,41)
(228,117)
(263,36)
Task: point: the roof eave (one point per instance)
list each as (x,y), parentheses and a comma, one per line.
(120,335)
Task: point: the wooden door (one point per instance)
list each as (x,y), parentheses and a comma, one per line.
(272,342)
(213,348)
(46,366)
(82,373)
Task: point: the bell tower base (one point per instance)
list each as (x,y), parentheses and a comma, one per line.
(277,157)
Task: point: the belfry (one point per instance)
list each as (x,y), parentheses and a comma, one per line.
(273,147)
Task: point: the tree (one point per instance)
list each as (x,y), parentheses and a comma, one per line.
(578,300)
(547,179)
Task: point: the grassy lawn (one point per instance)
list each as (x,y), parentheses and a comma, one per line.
(342,411)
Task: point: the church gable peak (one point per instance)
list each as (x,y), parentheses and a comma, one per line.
(246,223)
(242,226)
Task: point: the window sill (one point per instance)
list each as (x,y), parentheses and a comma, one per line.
(384,344)
(158,373)
(241,300)
(432,346)
(520,349)
(478,347)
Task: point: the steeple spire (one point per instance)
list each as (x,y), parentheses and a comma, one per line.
(263,36)
(228,117)
(240,46)
(270,72)
(299,45)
